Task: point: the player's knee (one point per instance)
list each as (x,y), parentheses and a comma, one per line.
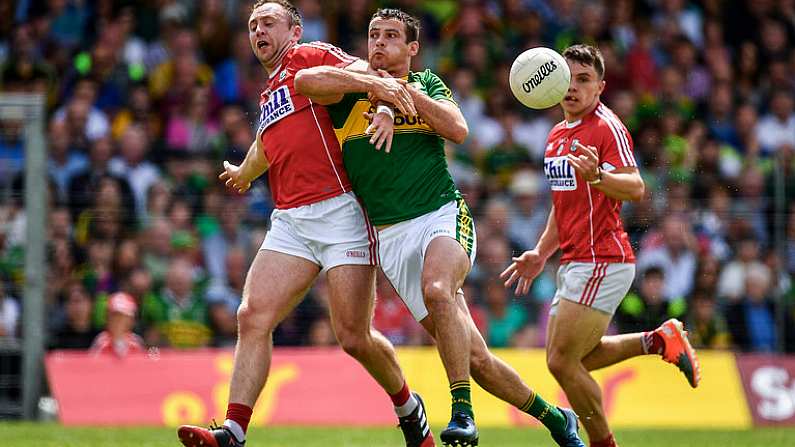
(354,344)
(437,295)
(253,321)
(559,364)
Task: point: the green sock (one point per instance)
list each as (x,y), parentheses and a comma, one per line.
(462,401)
(547,414)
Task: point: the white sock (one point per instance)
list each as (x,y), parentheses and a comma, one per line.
(408,407)
(236,430)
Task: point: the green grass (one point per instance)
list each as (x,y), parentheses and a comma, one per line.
(46,435)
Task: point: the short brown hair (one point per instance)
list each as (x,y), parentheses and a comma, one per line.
(292,11)
(412,23)
(586,55)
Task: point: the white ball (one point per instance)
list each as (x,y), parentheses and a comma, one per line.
(540,78)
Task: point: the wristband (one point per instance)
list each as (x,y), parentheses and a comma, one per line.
(598,179)
(385,109)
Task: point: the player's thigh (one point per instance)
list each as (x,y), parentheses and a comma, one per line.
(276,282)
(351,297)
(575,330)
(445,264)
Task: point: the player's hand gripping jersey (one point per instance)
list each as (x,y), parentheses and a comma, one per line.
(297,135)
(589,222)
(409,181)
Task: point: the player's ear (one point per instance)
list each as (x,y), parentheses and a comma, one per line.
(602,84)
(298,32)
(414,48)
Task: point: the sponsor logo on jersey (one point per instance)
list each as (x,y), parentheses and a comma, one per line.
(278,106)
(536,78)
(403,120)
(355,254)
(560,174)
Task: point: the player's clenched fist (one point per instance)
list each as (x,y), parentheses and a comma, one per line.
(393,91)
(523,269)
(233,179)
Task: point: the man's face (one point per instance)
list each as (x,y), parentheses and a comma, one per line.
(584,89)
(269,32)
(386,44)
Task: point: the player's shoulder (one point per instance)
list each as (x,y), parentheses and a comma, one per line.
(605,120)
(314,47)
(318,49)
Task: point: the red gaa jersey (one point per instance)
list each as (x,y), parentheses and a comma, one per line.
(589,224)
(298,136)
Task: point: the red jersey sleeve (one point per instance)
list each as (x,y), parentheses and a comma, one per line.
(616,148)
(314,54)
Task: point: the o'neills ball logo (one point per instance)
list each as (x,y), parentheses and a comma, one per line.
(540,74)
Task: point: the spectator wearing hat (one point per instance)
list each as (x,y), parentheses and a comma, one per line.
(529,209)
(118,337)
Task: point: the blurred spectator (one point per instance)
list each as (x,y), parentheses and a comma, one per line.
(504,318)
(731,284)
(84,184)
(530,212)
(752,319)
(646,308)
(230,234)
(191,129)
(76,331)
(177,316)
(223,298)
(133,166)
(64,163)
(137,111)
(212,29)
(85,121)
(777,128)
(673,250)
(705,324)
(9,312)
(118,338)
(392,318)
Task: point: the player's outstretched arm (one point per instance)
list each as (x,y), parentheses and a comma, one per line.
(529,264)
(239,178)
(623,183)
(327,85)
(442,115)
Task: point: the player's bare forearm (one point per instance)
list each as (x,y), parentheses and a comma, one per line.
(548,243)
(443,116)
(327,85)
(622,184)
(255,164)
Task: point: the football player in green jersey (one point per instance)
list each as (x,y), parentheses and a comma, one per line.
(425,230)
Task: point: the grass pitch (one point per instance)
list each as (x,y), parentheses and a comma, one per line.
(52,435)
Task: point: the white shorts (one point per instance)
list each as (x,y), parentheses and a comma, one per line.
(601,286)
(329,233)
(402,248)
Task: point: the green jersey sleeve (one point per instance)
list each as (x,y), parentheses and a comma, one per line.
(435,87)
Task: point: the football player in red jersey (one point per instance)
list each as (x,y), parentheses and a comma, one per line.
(591,169)
(317,225)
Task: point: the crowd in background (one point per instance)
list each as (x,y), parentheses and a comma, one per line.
(146,98)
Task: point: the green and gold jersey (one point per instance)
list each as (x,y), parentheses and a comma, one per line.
(412,179)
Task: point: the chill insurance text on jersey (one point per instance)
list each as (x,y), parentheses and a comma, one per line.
(589,225)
